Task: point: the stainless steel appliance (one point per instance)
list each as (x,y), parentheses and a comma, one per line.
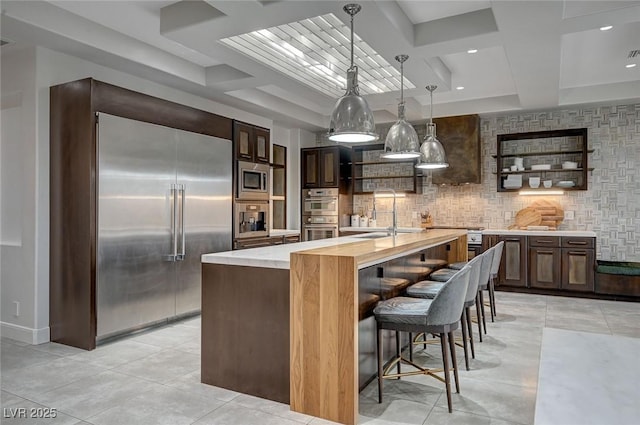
(251,219)
(474,243)
(320,214)
(253,181)
(165,199)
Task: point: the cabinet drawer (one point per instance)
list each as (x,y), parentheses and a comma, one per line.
(548,241)
(578,242)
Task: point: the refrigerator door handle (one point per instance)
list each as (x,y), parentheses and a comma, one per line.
(180,256)
(174,224)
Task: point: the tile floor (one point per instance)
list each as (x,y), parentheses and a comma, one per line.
(154,378)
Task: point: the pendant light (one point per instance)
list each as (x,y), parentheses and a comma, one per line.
(402,140)
(432,155)
(351,119)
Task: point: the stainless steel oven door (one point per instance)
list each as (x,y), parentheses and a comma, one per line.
(314,232)
(320,206)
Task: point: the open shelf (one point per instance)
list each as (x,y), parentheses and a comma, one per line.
(370,172)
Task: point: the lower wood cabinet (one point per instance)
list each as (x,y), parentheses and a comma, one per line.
(546,262)
(514,265)
(578,264)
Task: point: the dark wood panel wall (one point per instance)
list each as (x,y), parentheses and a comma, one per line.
(73,192)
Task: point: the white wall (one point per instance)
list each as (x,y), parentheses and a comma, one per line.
(30,72)
(19,173)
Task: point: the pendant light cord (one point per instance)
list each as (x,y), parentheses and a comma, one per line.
(351,41)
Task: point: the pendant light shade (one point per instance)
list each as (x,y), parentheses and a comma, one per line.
(351,119)
(402,140)
(432,155)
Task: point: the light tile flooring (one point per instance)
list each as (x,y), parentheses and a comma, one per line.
(154,378)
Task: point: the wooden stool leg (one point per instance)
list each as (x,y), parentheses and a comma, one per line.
(379,341)
(452,346)
(484,322)
(479,314)
(445,363)
(470,330)
(398,349)
(465,338)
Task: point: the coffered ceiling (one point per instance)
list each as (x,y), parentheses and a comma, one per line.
(531,55)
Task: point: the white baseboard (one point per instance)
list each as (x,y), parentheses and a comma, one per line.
(24,334)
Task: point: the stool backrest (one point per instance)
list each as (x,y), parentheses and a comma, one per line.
(485,269)
(446,307)
(497,257)
(475,266)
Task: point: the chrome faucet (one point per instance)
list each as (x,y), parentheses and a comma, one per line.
(393,229)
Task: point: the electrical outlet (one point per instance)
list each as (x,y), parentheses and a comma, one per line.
(16,304)
(507,215)
(569,215)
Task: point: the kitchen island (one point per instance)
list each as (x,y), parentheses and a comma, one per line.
(282,322)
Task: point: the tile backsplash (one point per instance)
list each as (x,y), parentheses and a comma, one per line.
(610,207)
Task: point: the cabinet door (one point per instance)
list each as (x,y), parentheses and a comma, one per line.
(577,269)
(261,145)
(513,269)
(244,142)
(544,267)
(310,171)
(329,168)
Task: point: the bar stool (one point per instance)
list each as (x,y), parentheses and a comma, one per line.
(440,316)
(429,289)
(495,267)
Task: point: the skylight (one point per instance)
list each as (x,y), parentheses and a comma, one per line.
(316,52)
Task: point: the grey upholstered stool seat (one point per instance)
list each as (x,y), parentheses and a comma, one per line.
(438,316)
(442,275)
(457,266)
(425,289)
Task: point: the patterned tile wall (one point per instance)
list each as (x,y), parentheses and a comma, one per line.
(610,208)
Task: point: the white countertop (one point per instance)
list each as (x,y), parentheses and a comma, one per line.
(283,232)
(577,233)
(380,229)
(274,256)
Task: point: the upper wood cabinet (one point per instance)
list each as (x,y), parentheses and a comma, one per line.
(252,143)
(327,166)
(460,137)
(559,156)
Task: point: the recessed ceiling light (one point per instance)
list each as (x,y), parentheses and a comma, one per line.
(606,28)
(460,88)
(472,51)
(630,65)
(315,52)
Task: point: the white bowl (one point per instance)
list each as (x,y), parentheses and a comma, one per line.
(547,183)
(541,167)
(566,183)
(534,182)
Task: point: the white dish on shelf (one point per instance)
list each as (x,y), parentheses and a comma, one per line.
(541,167)
(569,165)
(566,183)
(512,186)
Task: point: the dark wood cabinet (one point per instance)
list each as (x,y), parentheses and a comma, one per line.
(252,143)
(564,263)
(325,166)
(544,154)
(514,265)
(544,262)
(371,172)
(265,241)
(578,264)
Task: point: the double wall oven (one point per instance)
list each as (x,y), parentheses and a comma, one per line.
(320,214)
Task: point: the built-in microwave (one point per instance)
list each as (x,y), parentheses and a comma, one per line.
(253,181)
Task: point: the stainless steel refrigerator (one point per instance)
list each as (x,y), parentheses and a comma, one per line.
(165,198)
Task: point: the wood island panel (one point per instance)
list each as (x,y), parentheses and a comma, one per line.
(324,318)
